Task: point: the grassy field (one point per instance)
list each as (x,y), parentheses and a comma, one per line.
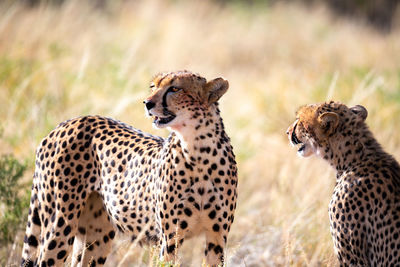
(58,63)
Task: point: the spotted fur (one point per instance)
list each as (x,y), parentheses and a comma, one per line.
(364,211)
(96,176)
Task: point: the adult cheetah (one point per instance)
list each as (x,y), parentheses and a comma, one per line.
(95,176)
(364,211)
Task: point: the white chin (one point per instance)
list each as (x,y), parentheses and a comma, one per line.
(157,125)
(305,151)
(164,122)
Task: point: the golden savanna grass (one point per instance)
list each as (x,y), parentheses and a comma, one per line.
(62,62)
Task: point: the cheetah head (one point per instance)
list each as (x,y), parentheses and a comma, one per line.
(318,125)
(177,98)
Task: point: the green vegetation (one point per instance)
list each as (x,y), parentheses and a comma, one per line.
(14,202)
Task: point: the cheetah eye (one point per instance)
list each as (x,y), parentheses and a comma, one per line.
(174,89)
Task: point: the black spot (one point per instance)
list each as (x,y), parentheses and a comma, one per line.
(35,218)
(78,168)
(184,225)
(218,249)
(60,222)
(52,245)
(67,230)
(111,234)
(82,230)
(32,241)
(101,260)
(71,240)
(201,191)
(50,262)
(67,171)
(188,212)
(61,254)
(216,227)
(170,249)
(212,214)
(79,189)
(65,197)
(90,246)
(74,181)
(80,135)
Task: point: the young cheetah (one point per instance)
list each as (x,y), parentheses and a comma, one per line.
(364,211)
(95,175)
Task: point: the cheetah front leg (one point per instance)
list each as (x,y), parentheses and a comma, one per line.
(170,245)
(173,235)
(215,246)
(32,234)
(95,234)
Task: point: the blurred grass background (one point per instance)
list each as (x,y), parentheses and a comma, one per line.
(59,61)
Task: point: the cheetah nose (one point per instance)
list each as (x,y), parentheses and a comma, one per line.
(149,104)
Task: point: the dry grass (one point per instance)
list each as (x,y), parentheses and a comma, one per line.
(60,63)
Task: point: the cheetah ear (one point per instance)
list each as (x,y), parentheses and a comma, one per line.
(328,122)
(360,111)
(214,89)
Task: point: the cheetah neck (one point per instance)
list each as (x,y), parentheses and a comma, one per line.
(203,134)
(354,151)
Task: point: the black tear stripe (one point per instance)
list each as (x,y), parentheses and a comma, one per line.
(294,138)
(164,102)
(164,99)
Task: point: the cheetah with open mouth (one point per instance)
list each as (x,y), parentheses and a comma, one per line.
(95,176)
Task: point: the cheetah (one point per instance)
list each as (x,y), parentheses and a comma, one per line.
(97,176)
(364,211)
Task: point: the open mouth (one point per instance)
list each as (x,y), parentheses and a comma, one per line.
(300,146)
(301,149)
(164,120)
(296,142)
